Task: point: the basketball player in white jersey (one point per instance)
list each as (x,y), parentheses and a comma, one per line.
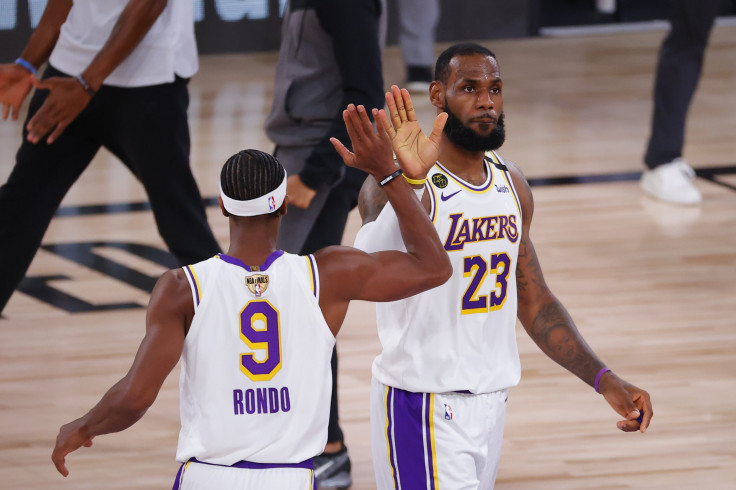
(449,355)
(255,328)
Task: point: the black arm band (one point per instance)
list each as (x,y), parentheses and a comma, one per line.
(391,177)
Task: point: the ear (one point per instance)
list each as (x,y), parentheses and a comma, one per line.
(284,206)
(437,94)
(222,207)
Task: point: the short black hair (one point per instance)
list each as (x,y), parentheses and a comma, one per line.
(442,68)
(250,174)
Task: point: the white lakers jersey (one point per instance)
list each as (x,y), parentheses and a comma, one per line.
(255,377)
(461,335)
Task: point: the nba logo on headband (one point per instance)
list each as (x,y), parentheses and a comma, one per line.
(271,203)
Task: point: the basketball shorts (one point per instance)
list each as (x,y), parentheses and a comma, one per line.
(194,475)
(447,441)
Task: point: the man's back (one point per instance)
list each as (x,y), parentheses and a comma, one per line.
(255,368)
(459,336)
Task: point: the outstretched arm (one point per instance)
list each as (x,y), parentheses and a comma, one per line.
(67,97)
(16,80)
(169,315)
(548,323)
(347,273)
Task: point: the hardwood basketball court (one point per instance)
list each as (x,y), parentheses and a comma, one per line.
(651,286)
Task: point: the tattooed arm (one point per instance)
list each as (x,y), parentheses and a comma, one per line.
(549,324)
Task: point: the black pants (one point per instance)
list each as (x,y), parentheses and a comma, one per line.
(146,128)
(678,70)
(328,230)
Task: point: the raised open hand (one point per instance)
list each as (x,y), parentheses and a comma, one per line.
(15,83)
(416,153)
(371,150)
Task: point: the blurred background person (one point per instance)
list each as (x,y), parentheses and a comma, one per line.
(330,56)
(116,77)
(418,21)
(669,178)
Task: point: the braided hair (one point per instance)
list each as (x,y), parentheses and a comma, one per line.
(250,174)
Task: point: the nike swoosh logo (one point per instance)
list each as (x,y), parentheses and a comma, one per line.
(445,198)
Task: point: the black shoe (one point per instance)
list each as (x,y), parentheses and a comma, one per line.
(333,470)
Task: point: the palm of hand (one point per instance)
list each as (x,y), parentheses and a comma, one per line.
(416,153)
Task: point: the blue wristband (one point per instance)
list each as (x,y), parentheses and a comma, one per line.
(25,64)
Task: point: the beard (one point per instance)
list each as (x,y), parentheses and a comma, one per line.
(467,139)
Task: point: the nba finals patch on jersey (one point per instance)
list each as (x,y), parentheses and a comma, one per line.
(257,284)
(439,180)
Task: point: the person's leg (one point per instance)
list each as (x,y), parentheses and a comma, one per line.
(417,24)
(150,134)
(36,186)
(678,70)
(669,178)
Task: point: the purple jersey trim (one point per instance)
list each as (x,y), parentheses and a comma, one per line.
(190,272)
(271,258)
(313,275)
(466,184)
(248,465)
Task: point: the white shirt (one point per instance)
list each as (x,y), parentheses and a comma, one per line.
(461,335)
(255,379)
(168,49)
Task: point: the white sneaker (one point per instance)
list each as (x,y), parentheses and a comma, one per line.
(672,183)
(418,87)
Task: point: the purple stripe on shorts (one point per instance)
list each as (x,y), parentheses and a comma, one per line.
(428,434)
(178,477)
(409,440)
(232,260)
(389,429)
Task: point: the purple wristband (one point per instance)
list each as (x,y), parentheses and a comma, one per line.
(598,377)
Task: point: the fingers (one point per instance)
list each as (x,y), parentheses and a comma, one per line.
(400,104)
(6,111)
(382,119)
(347,156)
(41,84)
(59,460)
(392,109)
(349,125)
(439,125)
(57,132)
(628,425)
(644,403)
(384,135)
(411,115)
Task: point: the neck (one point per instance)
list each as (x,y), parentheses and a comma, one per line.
(253,239)
(468,165)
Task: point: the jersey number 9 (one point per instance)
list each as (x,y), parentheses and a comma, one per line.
(260,330)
